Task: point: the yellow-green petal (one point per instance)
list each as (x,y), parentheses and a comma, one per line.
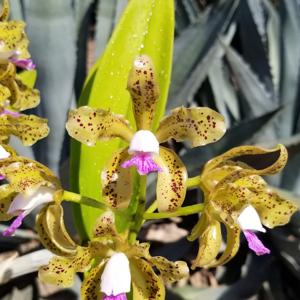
(105,225)
(14,38)
(171,181)
(55,226)
(198,125)
(273,209)
(4,11)
(60,271)
(144,90)
(6,197)
(117,181)
(4,95)
(88,125)
(90,288)
(146,284)
(209,245)
(199,228)
(232,246)
(170,271)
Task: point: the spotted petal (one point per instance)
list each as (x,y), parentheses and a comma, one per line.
(171,181)
(209,245)
(13,36)
(144,91)
(88,125)
(7,195)
(145,283)
(28,128)
(232,246)
(60,271)
(4,11)
(199,126)
(105,225)
(170,271)
(246,151)
(117,181)
(21,97)
(4,95)
(90,288)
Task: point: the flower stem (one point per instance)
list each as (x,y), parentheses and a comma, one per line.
(77,198)
(193,182)
(138,217)
(183,211)
(152,208)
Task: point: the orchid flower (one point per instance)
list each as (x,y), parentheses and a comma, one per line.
(13,41)
(200,126)
(237,196)
(114,267)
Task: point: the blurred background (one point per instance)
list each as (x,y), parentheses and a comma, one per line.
(240,57)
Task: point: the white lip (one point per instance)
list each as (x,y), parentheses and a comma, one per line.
(3,153)
(144,141)
(250,220)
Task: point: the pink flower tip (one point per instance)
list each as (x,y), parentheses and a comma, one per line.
(10,113)
(117,297)
(144,163)
(255,244)
(26,64)
(14,225)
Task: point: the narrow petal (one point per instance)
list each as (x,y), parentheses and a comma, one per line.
(199,228)
(250,220)
(105,225)
(255,243)
(61,271)
(145,283)
(171,181)
(232,246)
(144,90)
(4,11)
(90,288)
(116,277)
(170,271)
(88,125)
(7,195)
(242,151)
(143,162)
(117,181)
(209,245)
(199,126)
(14,225)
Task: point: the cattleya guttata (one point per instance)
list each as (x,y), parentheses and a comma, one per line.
(199,126)
(114,266)
(113,261)
(236,195)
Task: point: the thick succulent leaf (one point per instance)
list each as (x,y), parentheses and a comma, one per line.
(145,27)
(46,240)
(171,181)
(273,209)
(60,271)
(236,152)
(28,128)
(14,38)
(200,126)
(232,246)
(105,225)
(4,10)
(21,97)
(88,125)
(145,283)
(117,181)
(144,90)
(55,227)
(7,195)
(90,288)
(209,245)
(170,271)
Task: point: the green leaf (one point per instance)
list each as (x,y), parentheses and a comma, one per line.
(146,27)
